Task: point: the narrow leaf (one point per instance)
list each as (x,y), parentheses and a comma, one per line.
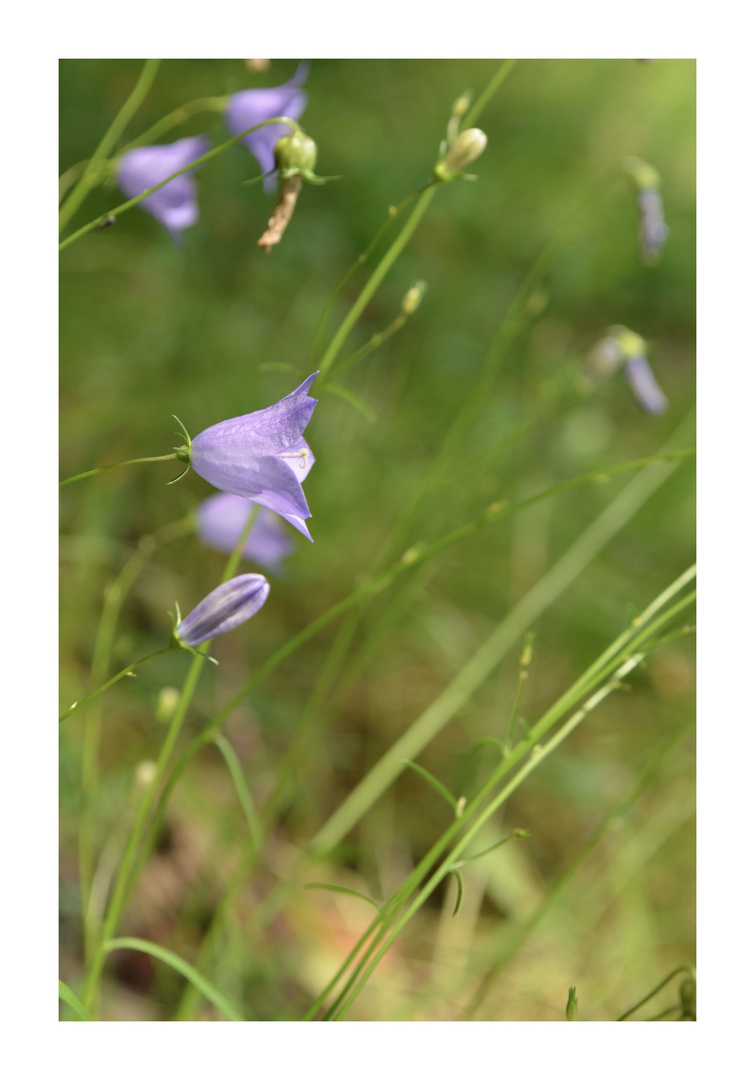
(182,966)
(65,993)
(353,399)
(515,835)
(343,889)
(237,775)
(433,782)
(457,875)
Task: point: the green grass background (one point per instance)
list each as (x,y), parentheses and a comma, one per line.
(149,329)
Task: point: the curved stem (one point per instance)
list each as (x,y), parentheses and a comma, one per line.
(111,682)
(117,465)
(109,140)
(503,71)
(393,214)
(677,971)
(118,210)
(173,119)
(377,276)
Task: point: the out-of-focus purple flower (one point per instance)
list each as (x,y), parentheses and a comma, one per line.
(653,228)
(250,107)
(224,609)
(262,455)
(623,348)
(221,519)
(644,387)
(175,205)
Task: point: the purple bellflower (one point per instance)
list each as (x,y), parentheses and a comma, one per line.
(250,107)
(644,387)
(653,228)
(175,205)
(221,519)
(225,608)
(624,348)
(262,455)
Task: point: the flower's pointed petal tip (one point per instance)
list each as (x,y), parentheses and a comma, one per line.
(300,524)
(303,388)
(300,75)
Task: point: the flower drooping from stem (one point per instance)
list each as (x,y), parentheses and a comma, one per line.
(295,158)
(623,348)
(653,228)
(262,456)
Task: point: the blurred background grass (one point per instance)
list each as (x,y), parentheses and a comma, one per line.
(149,329)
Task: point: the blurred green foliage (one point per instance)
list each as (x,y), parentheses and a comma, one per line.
(149,329)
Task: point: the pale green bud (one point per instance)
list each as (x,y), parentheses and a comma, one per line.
(643,174)
(144,774)
(466,149)
(413,298)
(166,704)
(295,154)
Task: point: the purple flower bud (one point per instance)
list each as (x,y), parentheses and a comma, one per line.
(224,609)
(644,387)
(250,107)
(175,205)
(262,455)
(653,229)
(222,519)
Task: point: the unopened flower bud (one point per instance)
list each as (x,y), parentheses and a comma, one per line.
(571,1004)
(466,149)
(295,155)
(462,103)
(167,701)
(225,608)
(144,774)
(688,999)
(413,298)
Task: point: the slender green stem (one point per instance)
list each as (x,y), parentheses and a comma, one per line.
(621,661)
(619,812)
(685,968)
(235,558)
(109,140)
(178,116)
(117,899)
(503,71)
(374,343)
(118,210)
(117,465)
(376,278)
(115,594)
(393,215)
(128,670)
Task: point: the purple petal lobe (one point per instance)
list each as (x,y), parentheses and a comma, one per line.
(250,107)
(262,456)
(644,387)
(175,205)
(223,517)
(224,609)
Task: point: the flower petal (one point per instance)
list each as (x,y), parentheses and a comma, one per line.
(221,519)
(225,608)
(265,432)
(644,387)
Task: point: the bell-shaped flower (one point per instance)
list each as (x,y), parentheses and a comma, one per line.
(623,348)
(262,455)
(225,608)
(175,205)
(221,520)
(250,107)
(644,387)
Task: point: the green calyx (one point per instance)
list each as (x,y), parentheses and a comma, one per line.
(296,156)
(183,453)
